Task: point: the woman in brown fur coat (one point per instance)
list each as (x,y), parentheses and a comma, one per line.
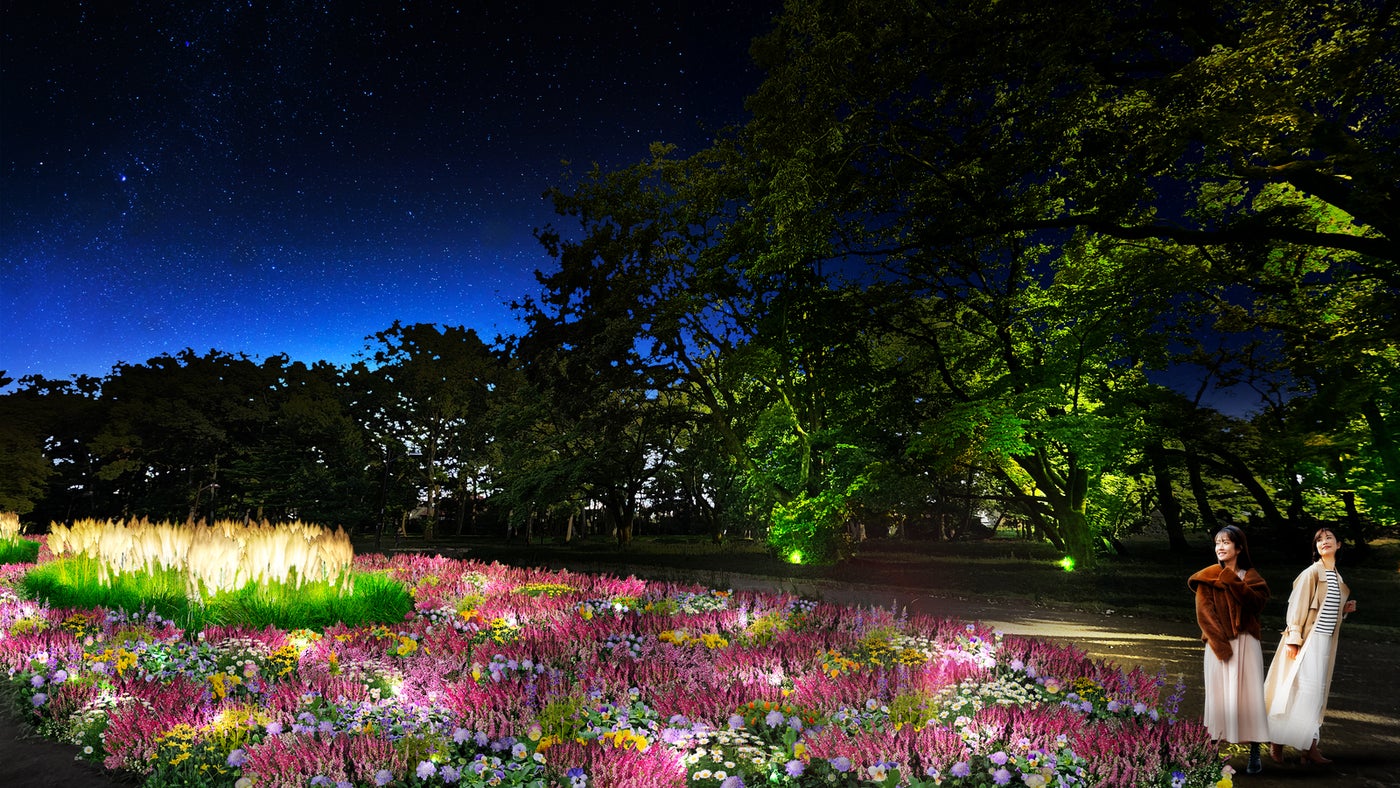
(1230,596)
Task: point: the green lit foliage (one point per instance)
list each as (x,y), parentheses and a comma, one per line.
(812,528)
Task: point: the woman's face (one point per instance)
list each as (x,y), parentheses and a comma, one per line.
(1326,544)
(1225,549)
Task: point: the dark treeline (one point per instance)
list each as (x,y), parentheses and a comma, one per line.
(948,266)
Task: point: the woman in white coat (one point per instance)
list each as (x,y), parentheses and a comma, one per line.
(1300,676)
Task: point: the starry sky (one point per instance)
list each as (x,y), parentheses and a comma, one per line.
(292,177)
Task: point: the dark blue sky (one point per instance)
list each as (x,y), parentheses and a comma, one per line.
(292,177)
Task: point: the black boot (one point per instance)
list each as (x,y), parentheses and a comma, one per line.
(1255,765)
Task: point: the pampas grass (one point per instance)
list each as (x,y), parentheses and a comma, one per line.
(15,549)
(223,557)
(295,575)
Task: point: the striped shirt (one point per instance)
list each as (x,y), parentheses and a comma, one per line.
(1331,605)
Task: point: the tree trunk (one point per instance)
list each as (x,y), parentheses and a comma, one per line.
(1066,494)
(1198,491)
(1166,500)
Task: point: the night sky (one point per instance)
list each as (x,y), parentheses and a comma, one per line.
(292,177)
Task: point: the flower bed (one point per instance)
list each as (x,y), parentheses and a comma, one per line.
(516,677)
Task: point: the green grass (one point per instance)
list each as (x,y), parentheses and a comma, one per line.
(18,551)
(76,582)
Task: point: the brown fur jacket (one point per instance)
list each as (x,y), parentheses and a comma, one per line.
(1227,606)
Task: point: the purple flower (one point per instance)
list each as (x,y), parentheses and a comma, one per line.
(732,782)
(39,699)
(450,774)
(237,758)
(460,735)
(841,764)
(321,779)
(736,722)
(274,728)
(383,777)
(998,758)
(794,768)
(960,769)
(37,680)
(1114,706)
(425,770)
(1001,777)
(774,719)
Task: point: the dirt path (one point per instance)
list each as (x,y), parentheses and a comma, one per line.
(1361,734)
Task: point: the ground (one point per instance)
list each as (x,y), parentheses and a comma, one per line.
(1361,733)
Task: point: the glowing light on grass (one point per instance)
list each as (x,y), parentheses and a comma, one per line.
(212,559)
(795,557)
(1066,563)
(9,525)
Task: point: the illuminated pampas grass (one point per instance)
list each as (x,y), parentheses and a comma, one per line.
(15,549)
(9,525)
(213,559)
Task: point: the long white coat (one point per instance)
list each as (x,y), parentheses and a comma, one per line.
(1309,591)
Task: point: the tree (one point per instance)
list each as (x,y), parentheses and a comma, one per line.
(426,394)
(174,425)
(895,136)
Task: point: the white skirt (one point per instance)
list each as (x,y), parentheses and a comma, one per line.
(1235,693)
(1299,724)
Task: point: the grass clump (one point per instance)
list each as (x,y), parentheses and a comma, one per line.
(15,549)
(78,582)
(18,551)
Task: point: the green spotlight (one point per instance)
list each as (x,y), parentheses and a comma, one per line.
(795,557)
(1066,563)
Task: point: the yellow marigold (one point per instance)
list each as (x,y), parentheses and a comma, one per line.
(407,645)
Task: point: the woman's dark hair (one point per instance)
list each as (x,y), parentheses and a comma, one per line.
(1317,535)
(1243,561)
